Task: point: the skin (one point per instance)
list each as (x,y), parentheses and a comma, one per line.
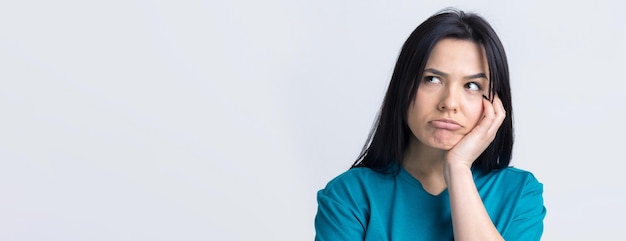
(452,124)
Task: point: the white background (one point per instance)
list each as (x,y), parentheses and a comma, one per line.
(220,120)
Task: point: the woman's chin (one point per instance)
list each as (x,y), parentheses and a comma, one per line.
(444,145)
(444,148)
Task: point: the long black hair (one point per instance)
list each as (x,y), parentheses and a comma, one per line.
(389,137)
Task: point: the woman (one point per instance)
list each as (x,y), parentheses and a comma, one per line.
(436,164)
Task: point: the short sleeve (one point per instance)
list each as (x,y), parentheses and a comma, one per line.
(335,222)
(527,224)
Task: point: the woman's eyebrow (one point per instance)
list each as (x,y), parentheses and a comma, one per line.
(436,71)
(444,74)
(477,76)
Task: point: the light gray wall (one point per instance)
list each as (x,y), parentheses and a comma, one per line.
(219,120)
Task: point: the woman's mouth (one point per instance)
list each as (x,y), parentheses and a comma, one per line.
(446,124)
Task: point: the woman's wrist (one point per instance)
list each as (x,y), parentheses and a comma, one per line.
(456,170)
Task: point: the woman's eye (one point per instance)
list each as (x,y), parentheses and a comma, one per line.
(433,79)
(472,86)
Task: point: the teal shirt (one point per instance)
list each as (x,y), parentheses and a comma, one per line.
(362,204)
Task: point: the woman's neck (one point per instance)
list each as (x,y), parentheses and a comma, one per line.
(426,165)
(422,158)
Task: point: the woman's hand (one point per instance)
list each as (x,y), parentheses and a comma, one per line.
(476,141)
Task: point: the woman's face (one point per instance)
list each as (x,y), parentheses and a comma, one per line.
(448,103)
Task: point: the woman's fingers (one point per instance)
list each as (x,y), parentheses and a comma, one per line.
(493,115)
(499,113)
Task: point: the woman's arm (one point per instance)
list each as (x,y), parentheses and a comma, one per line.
(335,222)
(470,220)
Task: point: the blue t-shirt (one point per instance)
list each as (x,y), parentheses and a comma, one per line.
(362,204)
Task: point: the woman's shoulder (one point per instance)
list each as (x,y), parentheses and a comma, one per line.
(514,172)
(358,181)
(357,176)
(510,175)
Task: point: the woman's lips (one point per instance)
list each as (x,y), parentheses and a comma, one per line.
(446,124)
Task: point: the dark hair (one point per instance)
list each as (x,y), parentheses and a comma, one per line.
(389,137)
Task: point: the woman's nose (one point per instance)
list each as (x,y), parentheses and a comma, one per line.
(448,101)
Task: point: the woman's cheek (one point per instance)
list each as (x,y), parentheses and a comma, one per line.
(475,107)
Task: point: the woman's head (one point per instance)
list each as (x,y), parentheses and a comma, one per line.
(391,134)
(449,101)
